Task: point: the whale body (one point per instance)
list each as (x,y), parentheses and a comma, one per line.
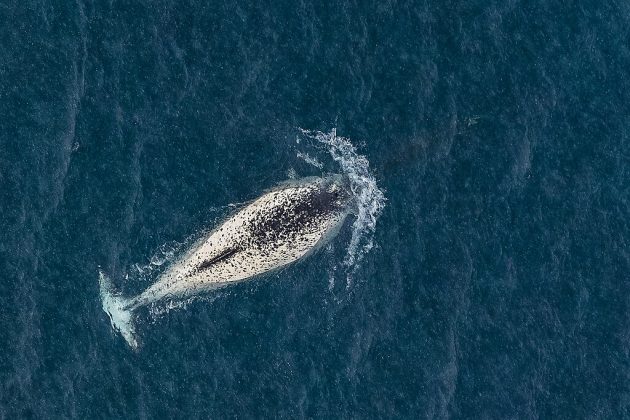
(278,228)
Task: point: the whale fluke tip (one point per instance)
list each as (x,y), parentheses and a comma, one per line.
(117,309)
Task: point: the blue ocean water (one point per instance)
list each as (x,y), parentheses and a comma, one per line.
(492,283)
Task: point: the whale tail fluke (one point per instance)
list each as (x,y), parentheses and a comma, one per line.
(117,308)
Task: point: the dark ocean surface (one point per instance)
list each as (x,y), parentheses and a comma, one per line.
(490,280)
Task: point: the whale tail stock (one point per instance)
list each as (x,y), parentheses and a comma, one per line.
(118,309)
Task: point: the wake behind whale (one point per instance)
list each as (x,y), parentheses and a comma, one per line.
(276,229)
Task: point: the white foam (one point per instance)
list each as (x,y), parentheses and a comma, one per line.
(370,200)
(165,254)
(160,309)
(116,308)
(310,160)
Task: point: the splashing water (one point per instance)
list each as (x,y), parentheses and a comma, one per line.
(158,310)
(310,160)
(370,199)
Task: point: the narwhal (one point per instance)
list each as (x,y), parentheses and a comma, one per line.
(278,228)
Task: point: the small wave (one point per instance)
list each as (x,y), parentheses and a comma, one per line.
(159,309)
(370,199)
(311,161)
(165,254)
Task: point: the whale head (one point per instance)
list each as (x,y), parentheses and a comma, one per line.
(332,195)
(309,207)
